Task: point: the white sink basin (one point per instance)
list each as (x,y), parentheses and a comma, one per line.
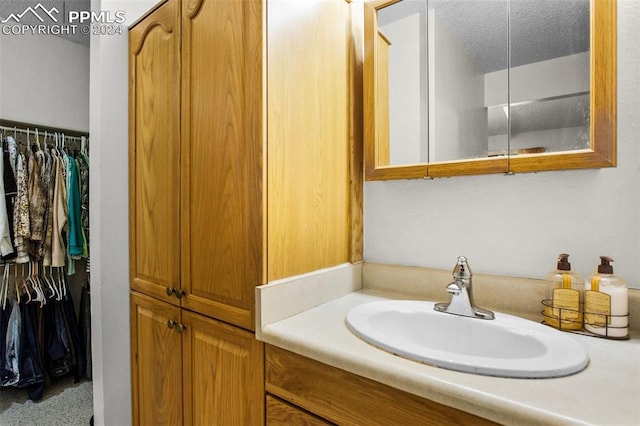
(507,346)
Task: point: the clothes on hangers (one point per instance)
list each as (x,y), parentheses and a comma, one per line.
(47,215)
(44,229)
(41,339)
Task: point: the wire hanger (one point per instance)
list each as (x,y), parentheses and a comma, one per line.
(37,140)
(4,289)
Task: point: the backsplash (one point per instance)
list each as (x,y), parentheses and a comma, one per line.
(512,295)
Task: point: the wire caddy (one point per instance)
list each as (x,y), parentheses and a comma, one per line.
(566,321)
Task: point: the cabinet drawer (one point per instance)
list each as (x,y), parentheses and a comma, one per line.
(347,399)
(279,413)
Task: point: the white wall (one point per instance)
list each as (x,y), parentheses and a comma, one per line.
(44,80)
(517,225)
(109,218)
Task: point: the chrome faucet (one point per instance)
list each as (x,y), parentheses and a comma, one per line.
(461,292)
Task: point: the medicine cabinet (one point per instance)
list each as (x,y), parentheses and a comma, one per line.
(462,87)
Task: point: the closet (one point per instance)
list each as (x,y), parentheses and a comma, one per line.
(44,245)
(243,168)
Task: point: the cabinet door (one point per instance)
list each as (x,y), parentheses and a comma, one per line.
(223,374)
(156,362)
(222,158)
(154,155)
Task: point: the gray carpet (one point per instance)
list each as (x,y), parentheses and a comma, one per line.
(64,403)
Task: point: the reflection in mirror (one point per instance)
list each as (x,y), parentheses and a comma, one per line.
(455,71)
(432,58)
(467,40)
(549,76)
(402,82)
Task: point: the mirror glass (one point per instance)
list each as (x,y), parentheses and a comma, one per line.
(549,76)
(475,79)
(403,81)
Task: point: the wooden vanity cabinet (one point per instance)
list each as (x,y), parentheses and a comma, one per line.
(344,398)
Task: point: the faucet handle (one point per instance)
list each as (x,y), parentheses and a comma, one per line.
(462,270)
(454,289)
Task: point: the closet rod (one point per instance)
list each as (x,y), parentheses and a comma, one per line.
(10,125)
(32,133)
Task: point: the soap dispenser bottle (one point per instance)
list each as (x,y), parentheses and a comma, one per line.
(562,309)
(606,303)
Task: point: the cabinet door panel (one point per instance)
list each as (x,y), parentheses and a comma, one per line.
(222,157)
(223,374)
(154,128)
(308,136)
(156,355)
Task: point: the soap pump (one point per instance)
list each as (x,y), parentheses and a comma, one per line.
(606,303)
(563,308)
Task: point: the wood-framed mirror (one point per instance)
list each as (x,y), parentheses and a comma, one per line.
(520,86)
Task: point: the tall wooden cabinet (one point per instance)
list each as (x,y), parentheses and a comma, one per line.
(242,171)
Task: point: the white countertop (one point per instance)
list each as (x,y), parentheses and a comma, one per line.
(607,392)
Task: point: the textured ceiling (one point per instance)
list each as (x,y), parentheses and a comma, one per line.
(539,29)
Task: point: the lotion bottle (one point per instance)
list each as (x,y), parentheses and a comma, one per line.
(563,310)
(606,303)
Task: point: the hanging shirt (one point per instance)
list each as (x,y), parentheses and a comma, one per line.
(48,240)
(11,367)
(10,193)
(83,167)
(22,226)
(59,216)
(37,204)
(6,246)
(75,222)
(12,147)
